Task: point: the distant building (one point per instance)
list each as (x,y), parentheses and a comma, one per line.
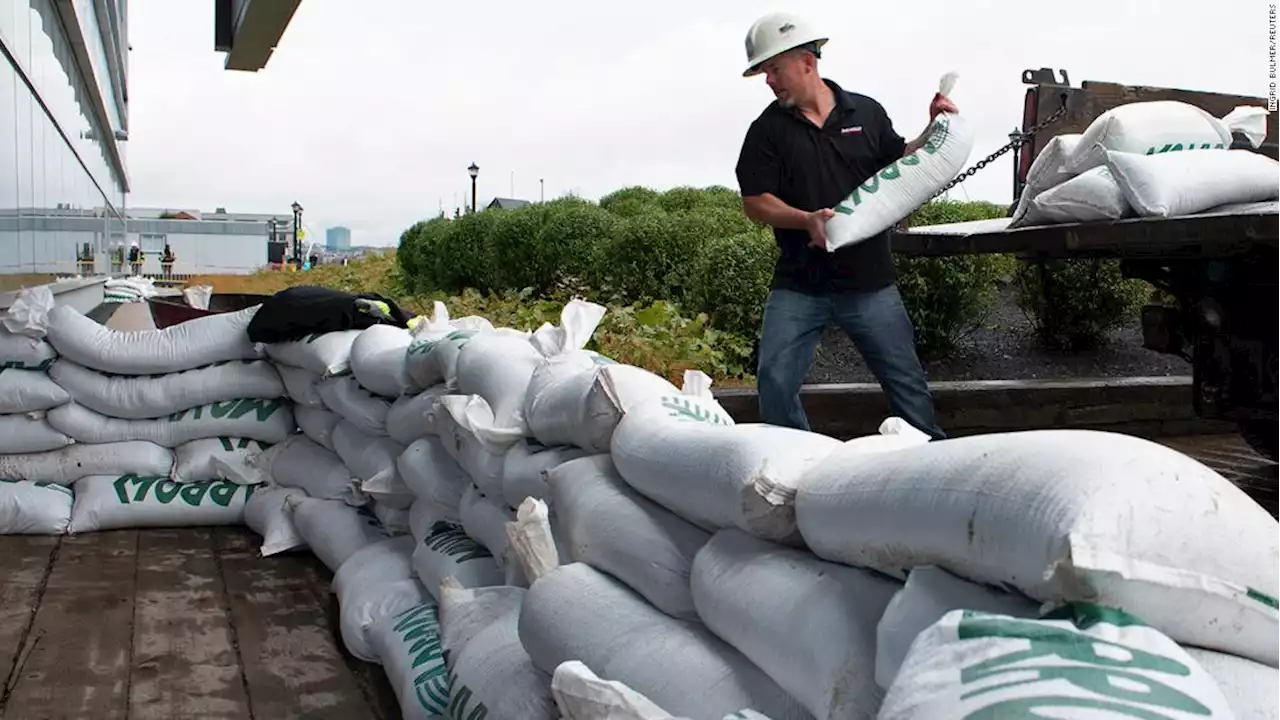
(506,203)
(337,239)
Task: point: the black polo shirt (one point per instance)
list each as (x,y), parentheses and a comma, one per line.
(811,168)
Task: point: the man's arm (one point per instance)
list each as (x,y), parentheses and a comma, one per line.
(940,104)
(759,173)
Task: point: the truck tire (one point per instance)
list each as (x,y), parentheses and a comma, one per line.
(1261,436)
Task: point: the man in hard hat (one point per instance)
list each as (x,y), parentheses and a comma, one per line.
(805,153)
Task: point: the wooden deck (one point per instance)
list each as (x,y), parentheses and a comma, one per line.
(167,624)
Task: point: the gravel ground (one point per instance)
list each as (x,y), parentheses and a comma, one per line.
(1005,349)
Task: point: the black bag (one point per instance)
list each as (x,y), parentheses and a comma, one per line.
(304,310)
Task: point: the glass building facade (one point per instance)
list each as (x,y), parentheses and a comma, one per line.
(63,121)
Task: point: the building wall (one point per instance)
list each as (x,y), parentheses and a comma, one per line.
(60,110)
(337,238)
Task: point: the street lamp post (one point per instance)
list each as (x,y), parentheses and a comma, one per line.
(473,171)
(542,191)
(297,225)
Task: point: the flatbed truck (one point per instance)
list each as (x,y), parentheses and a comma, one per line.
(1219,265)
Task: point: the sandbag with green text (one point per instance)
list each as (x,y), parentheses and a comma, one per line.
(1080,661)
(412,655)
(103,502)
(896,191)
(1061,516)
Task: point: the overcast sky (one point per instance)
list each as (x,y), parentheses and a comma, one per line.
(370,111)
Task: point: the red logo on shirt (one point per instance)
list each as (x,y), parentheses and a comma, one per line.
(854,129)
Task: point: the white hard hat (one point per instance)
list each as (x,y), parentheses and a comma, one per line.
(775,34)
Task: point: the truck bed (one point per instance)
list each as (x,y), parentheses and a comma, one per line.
(174,623)
(1219,232)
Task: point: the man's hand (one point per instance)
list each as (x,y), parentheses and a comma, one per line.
(941,104)
(816,224)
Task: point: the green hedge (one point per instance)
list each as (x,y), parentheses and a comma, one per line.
(695,248)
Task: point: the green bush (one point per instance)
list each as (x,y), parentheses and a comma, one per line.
(949,296)
(730,278)
(1073,304)
(630,201)
(462,257)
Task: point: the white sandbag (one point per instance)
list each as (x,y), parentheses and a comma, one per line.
(34,507)
(387,489)
(317,424)
(192,344)
(365,454)
(1088,661)
(612,528)
(464,427)
(439,363)
(1250,688)
(411,417)
(270,421)
(333,529)
(23,352)
(929,594)
(412,654)
(810,625)
(498,365)
(30,433)
(267,513)
(221,458)
(524,469)
(718,476)
(28,314)
(1063,516)
(898,190)
(434,476)
(421,517)
(137,397)
(1184,183)
(446,551)
(396,521)
(1091,196)
(378,360)
(24,391)
(1162,126)
(568,404)
(104,502)
(577,613)
(491,674)
(300,463)
(485,521)
(300,386)
(68,464)
(366,411)
(364,586)
(1047,171)
(326,354)
(198,296)
(582,695)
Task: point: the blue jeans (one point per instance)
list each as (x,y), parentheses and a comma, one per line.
(878,325)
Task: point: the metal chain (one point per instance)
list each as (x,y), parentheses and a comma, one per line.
(1021,139)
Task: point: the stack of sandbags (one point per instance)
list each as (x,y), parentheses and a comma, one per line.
(195,397)
(1148,159)
(1134,535)
(128,290)
(575,612)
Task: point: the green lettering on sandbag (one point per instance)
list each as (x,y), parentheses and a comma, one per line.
(1027,708)
(166,491)
(893,172)
(222,492)
(911,160)
(236,409)
(196,413)
(871,185)
(684,408)
(433,696)
(420,347)
(226,444)
(143,485)
(459,696)
(1263,598)
(843,209)
(411,615)
(1096,673)
(193,494)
